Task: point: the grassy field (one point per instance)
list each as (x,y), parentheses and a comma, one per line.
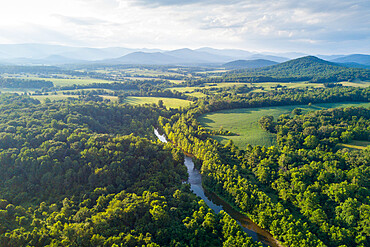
(168,102)
(76,81)
(196,94)
(206,86)
(267,86)
(111,98)
(244,122)
(356,83)
(355,145)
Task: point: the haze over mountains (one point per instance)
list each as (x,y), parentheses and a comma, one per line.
(248,64)
(40,54)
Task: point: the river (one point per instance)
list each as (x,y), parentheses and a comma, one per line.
(217,204)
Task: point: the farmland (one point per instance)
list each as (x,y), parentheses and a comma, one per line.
(244,122)
(168,102)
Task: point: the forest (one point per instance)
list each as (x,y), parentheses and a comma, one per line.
(306,191)
(308,68)
(76,173)
(24,83)
(89,171)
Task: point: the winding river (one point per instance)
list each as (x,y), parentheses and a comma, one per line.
(217,204)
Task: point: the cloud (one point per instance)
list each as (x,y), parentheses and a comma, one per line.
(156,3)
(82,21)
(315,24)
(308,26)
(36,34)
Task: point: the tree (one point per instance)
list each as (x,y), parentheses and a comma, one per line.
(297,111)
(267,123)
(311,141)
(161,104)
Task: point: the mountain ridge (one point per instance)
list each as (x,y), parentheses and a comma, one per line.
(31,53)
(353,58)
(308,68)
(248,64)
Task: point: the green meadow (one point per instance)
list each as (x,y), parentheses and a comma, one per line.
(76,81)
(356,83)
(168,102)
(244,122)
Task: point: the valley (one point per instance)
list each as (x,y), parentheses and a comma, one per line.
(158,123)
(283,149)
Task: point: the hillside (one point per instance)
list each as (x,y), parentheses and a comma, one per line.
(248,64)
(307,68)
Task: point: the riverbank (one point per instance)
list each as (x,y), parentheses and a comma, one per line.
(217,204)
(266,237)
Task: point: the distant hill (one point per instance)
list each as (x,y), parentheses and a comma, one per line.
(179,57)
(195,56)
(232,53)
(307,68)
(236,54)
(303,65)
(269,57)
(329,57)
(182,57)
(36,54)
(32,53)
(355,65)
(354,58)
(143,58)
(248,64)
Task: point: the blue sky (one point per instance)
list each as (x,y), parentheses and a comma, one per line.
(310,26)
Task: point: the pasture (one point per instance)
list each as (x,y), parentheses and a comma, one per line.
(168,102)
(244,122)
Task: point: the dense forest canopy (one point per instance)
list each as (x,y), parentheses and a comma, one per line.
(87,171)
(24,83)
(76,173)
(307,191)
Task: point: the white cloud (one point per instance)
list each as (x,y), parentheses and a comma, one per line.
(308,26)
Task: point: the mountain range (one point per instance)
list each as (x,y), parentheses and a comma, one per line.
(248,64)
(41,54)
(308,68)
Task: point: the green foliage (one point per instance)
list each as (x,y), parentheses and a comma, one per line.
(267,123)
(305,193)
(244,122)
(307,68)
(324,129)
(75,174)
(24,83)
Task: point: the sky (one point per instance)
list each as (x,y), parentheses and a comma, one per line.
(309,26)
